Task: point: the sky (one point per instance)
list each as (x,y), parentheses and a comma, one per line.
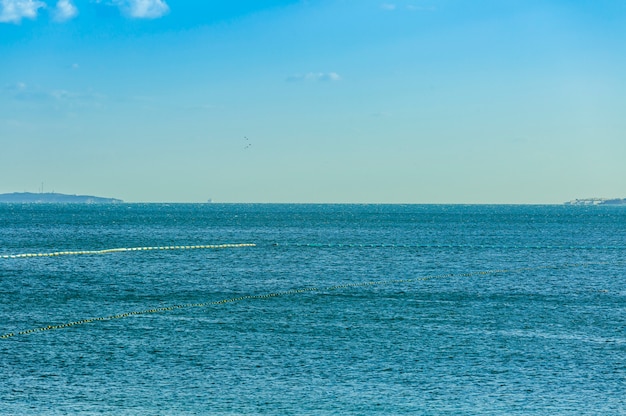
(318,101)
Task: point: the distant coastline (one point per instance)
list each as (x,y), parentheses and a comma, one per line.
(54,198)
(597,201)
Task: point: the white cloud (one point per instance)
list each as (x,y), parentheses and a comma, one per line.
(388,6)
(143,9)
(65,10)
(315,76)
(13,11)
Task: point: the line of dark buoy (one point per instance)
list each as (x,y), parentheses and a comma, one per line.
(123,249)
(292,292)
(426,246)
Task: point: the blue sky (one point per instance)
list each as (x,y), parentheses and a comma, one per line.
(408,101)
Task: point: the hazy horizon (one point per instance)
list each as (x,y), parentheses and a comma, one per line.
(329,101)
(210,201)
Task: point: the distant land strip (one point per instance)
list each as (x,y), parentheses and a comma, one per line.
(597,201)
(54,198)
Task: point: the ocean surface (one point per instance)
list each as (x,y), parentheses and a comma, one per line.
(231,309)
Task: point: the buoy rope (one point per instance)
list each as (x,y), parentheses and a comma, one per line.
(292,292)
(488,246)
(311,245)
(123,249)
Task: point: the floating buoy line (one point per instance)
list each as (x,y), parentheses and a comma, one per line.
(461,246)
(122,250)
(286,293)
(313,245)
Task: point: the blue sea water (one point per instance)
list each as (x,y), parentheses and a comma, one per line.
(376,309)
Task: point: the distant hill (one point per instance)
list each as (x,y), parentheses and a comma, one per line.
(54,198)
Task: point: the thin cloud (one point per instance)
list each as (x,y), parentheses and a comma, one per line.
(34,94)
(13,11)
(315,77)
(392,7)
(18,86)
(22,92)
(421,8)
(65,10)
(143,9)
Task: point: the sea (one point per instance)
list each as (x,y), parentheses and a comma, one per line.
(301,309)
